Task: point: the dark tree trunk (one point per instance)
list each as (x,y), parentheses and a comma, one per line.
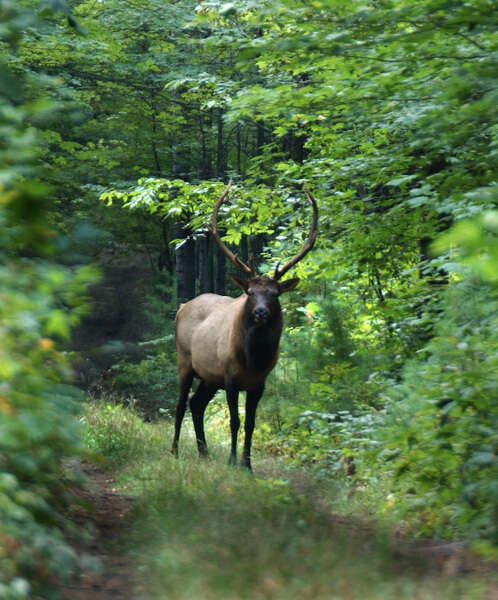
(257,243)
(244,249)
(293,146)
(205,166)
(260,137)
(205,251)
(166,259)
(220,272)
(185,266)
(155,152)
(299,152)
(239,151)
(220,148)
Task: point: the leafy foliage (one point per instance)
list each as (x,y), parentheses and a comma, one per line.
(253,211)
(442,421)
(150,385)
(39,302)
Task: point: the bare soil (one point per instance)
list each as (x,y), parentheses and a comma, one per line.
(102,513)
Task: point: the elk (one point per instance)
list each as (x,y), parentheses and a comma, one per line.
(232,343)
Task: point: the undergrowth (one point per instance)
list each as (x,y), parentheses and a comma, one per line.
(201,529)
(426,437)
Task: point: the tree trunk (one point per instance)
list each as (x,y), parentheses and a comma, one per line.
(260,137)
(293,145)
(185,265)
(205,250)
(239,151)
(220,154)
(165,259)
(257,243)
(220,272)
(244,249)
(205,166)
(155,152)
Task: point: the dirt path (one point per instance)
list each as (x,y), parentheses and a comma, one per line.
(104,517)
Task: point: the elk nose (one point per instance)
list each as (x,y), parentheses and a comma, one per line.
(261,314)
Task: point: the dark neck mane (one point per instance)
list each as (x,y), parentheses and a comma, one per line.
(260,344)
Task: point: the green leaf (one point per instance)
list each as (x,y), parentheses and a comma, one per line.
(401,180)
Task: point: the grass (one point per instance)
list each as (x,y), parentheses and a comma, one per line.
(203,530)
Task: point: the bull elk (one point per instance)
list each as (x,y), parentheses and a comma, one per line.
(232,343)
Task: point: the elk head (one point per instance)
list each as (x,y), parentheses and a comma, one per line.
(262,291)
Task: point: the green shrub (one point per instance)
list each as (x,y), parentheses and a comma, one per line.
(150,385)
(118,433)
(428,438)
(39,303)
(440,431)
(432,437)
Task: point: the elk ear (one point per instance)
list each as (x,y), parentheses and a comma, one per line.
(288,285)
(240,282)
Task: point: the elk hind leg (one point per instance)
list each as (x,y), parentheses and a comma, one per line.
(198,403)
(185,381)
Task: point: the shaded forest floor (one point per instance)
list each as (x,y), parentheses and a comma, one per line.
(166,529)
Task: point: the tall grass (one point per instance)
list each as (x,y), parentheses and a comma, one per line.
(207,531)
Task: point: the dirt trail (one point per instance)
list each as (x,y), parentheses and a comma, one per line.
(105,515)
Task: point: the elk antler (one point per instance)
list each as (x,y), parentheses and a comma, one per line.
(248,270)
(309,242)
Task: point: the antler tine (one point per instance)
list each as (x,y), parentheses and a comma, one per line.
(214,230)
(309,242)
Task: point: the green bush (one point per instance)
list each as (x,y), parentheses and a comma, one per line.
(431,438)
(39,303)
(427,438)
(150,385)
(118,433)
(440,432)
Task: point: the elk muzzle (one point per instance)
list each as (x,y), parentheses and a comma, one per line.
(260,315)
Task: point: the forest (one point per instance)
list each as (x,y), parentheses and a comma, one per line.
(375,469)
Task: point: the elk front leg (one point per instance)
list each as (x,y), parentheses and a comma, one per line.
(252,399)
(233,407)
